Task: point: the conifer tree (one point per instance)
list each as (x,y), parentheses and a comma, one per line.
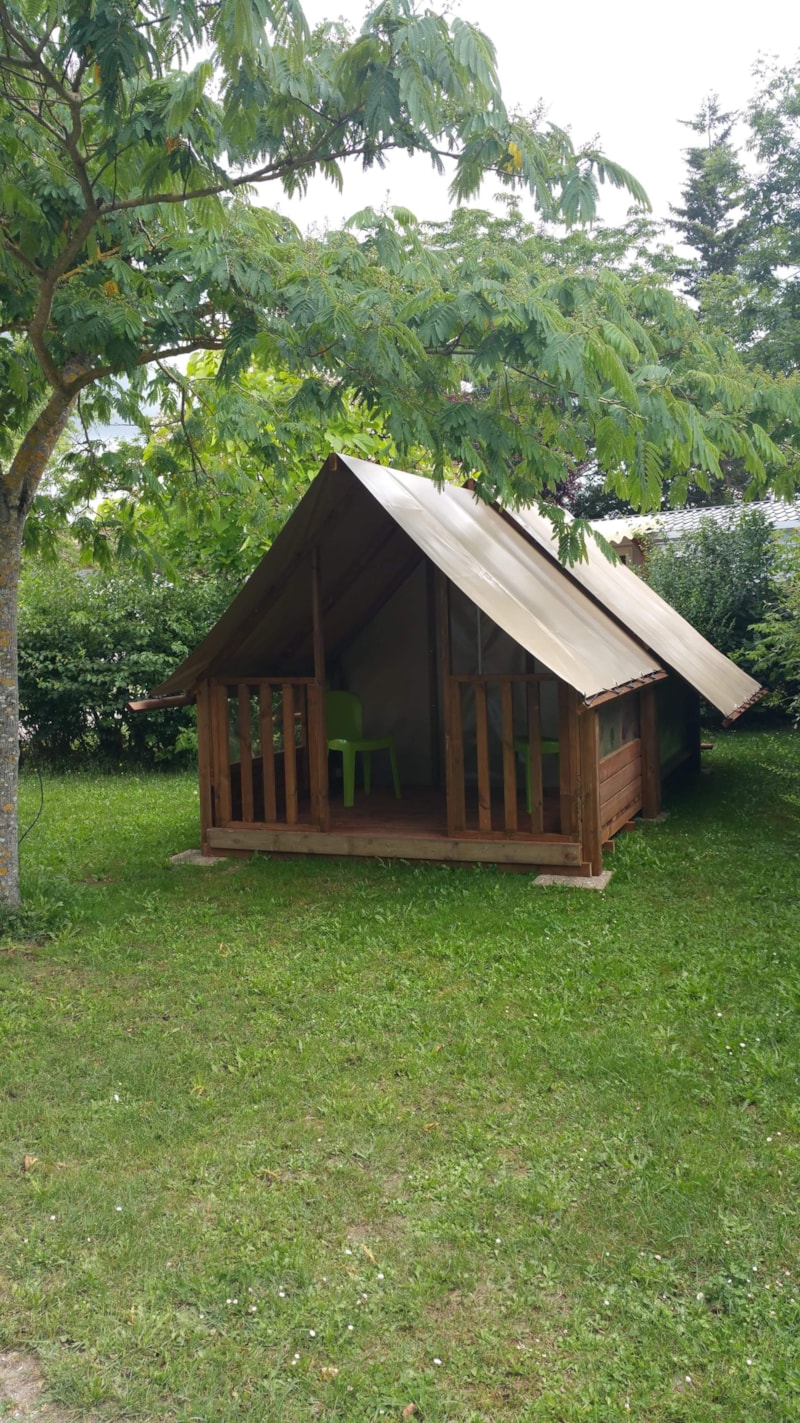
(711,220)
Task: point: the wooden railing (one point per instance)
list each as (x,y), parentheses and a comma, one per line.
(269,759)
(531,738)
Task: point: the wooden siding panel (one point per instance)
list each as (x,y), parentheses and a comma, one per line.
(609,765)
(620,787)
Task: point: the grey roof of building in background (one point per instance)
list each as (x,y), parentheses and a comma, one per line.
(653,621)
(670,524)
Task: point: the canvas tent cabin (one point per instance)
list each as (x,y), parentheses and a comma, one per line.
(534,708)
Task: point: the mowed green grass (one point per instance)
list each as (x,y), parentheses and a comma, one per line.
(328,1139)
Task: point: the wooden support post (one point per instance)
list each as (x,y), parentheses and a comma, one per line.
(482,740)
(434,708)
(535,759)
(317,722)
(693,733)
(651,753)
(266,736)
(453,727)
(591,833)
(509,757)
(568,760)
(289,753)
(205,762)
(222,754)
(246,753)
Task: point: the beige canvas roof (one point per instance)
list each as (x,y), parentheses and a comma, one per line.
(373,525)
(526,596)
(655,623)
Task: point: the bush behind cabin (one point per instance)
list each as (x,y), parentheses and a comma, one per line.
(90,641)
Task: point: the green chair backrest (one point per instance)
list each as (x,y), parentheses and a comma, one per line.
(344,716)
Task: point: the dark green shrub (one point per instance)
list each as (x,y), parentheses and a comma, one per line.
(719,578)
(91,641)
(776,649)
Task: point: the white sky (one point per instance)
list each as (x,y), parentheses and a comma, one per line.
(627,72)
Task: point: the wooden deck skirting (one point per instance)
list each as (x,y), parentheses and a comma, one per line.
(370,845)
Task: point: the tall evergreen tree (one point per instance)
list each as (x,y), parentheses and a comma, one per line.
(771,260)
(711,220)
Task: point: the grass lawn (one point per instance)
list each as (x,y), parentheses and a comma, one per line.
(329,1139)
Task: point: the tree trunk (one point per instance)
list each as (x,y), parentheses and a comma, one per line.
(18,487)
(12,523)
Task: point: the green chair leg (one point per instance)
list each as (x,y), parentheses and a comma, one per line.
(395,772)
(349,775)
(522,750)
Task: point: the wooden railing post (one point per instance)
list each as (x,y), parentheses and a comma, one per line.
(245,752)
(535,759)
(222,753)
(568,760)
(509,757)
(317,728)
(453,726)
(484,775)
(205,761)
(266,734)
(289,752)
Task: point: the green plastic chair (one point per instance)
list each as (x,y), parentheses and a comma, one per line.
(346,734)
(522,748)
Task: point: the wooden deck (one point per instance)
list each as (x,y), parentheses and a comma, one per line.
(414,828)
